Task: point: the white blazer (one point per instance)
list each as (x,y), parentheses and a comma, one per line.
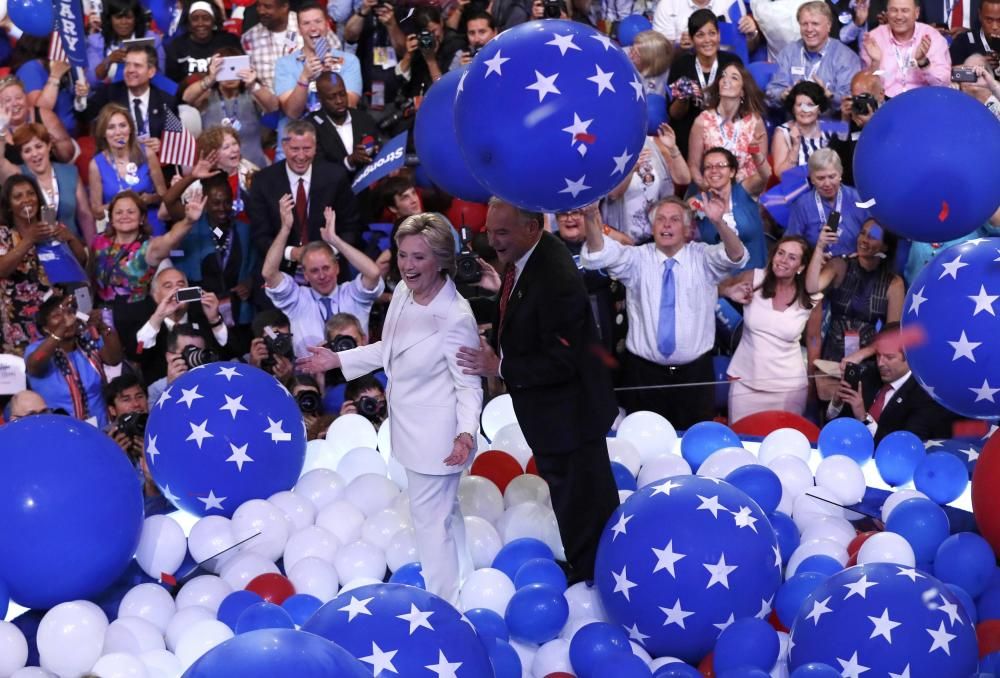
(430,400)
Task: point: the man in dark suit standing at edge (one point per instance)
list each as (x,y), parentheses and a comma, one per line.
(545,347)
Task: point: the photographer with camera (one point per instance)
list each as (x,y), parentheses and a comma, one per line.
(309,396)
(430,49)
(366,396)
(271,346)
(480,28)
(186,349)
(379,43)
(128,409)
(866,96)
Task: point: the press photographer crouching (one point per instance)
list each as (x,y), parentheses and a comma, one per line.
(271,347)
(343,332)
(128,407)
(186,349)
(867,95)
(366,396)
(308,394)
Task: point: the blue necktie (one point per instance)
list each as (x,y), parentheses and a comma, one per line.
(666,340)
(327,308)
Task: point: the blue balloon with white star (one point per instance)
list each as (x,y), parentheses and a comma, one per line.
(222,434)
(551,115)
(954,300)
(884,619)
(401,630)
(682,559)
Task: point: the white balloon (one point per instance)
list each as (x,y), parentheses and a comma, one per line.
(796,477)
(816,501)
(650,433)
(525,651)
(486,587)
(585,603)
(835,529)
(532,520)
(898,497)
(640,653)
(199,639)
(498,413)
(887,547)
(183,620)
(298,509)
(841,475)
(342,519)
(349,431)
(658,468)
(397,473)
(239,571)
(510,439)
(132,635)
(264,526)
(13,649)
(815,547)
(319,455)
(358,583)
(162,546)
(552,657)
(371,493)
(359,559)
(380,528)
(482,540)
(150,602)
(625,453)
(206,591)
(320,486)
(70,637)
(161,664)
(209,536)
(724,461)
(359,461)
(384,439)
(33,672)
(662,661)
(526,487)
(623,495)
(783,639)
(402,549)
(312,541)
(119,665)
(784,441)
(572,626)
(479,496)
(315,577)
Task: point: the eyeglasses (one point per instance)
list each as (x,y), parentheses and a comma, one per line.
(716,166)
(571,213)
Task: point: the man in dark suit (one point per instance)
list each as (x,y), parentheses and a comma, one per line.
(895,401)
(546,348)
(146,103)
(313,185)
(345,136)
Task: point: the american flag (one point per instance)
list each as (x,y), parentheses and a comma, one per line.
(56,51)
(177,144)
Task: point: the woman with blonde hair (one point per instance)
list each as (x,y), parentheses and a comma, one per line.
(651,53)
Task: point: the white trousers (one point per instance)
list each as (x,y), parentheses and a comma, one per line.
(440,532)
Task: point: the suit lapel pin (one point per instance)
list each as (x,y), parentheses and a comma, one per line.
(899,400)
(520,294)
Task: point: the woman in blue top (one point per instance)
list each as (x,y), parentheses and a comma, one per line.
(121,20)
(811,210)
(47,84)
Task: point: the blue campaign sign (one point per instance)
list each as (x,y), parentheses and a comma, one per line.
(69,22)
(59,263)
(392,157)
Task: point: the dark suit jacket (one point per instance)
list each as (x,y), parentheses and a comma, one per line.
(159,103)
(329,185)
(551,354)
(330,147)
(908,409)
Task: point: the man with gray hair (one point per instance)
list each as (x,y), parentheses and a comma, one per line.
(671,293)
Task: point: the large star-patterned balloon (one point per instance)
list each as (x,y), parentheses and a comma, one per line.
(955,300)
(682,559)
(222,434)
(883,619)
(551,115)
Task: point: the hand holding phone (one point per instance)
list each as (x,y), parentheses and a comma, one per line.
(187,294)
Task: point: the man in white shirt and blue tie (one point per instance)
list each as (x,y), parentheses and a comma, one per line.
(671,292)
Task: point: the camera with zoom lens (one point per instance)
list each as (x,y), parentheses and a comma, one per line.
(863,104)
(278,344)
(196,357)
(467,269)
(425,39)
(341,342)
(132,424)
(309,402)
(552,9)
(371,408)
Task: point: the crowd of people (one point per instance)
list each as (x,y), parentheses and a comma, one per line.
(259,251)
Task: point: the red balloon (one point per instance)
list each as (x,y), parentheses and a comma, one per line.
(532,467)
(707,666)
(988,635)
(985,498)
(861,538)
(762,423)
(773,620)
(497,466)
(559,674)
(273,588)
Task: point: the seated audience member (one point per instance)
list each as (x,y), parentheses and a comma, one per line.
(986,89)
(480,28)
(271,346)
(67,367)
(862,291)
(276,35)
(672,20)
(740,211)
(144,325)
(24,284)
(894,401)
(15,102)
(308,308)
(811,211)
(867,95)
(651,54)
(908,53)
(185,349)
(189,52)
(733,121)
(816,57)
(25,404)
(344,136)
(671,345)
(795,140)
(121,20)
(985,41)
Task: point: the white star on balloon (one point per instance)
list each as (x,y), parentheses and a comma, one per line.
(164,397)
(578,127)
(950,609)
(984,392)
(777,556)
(711,504)
(380,661)
(444,668)
(602,80)
(909,572)
(199,432)
(635,634)
(170,496)
(228,373)
(973,454)
(604,40)
(765,608)
(564,43)
(356,607)
(151,449)
(819,608)
(720,572)
(964,348)
(859,587)
(998,252)
(417,618)
(675,614)
(211,501)
(239,455)
(976,241)
(461,82)
(544,84)
(621,161)
(277,434)
(494,64)
(575,187)
(666,558)
(726,624)
(883,626)
(952,267)
(904,674)
(984,302)
(620,526)
(933,443)
(744,519)
(851,668)
(640,89)
(664,488)
(189,395)
(916,300)
(622,584)
(233,405)
(942,639)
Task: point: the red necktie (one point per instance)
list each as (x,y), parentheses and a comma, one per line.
(301,212)
(508,286)
(879,404)
(955,20)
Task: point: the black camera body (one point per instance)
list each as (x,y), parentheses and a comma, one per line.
(467,269)
(371,408)
(552,9)
(341,342)
(278,344)
(425,39)
(132,424)
(864,104)
(196,357)
(310,401)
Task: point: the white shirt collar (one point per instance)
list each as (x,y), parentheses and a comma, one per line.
(347,122)
(894,385)
(293,178)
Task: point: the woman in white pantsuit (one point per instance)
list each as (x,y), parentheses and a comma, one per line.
(434,407)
